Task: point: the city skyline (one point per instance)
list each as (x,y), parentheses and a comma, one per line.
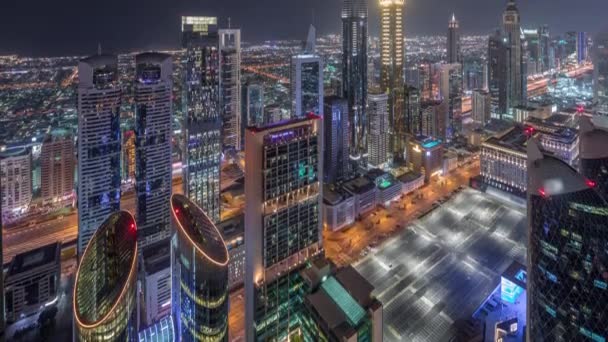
(43,37)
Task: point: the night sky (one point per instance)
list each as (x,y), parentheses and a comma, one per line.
(61,27)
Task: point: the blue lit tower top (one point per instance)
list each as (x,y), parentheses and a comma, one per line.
(567,261)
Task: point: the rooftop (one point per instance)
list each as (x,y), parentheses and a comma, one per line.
(334,196)
(427,142)
(157,256)
(13,152)
(409,176)
(359,185)
(232,227)
(35,258)
(513,139)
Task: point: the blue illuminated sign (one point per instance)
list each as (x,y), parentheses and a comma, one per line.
(509,291)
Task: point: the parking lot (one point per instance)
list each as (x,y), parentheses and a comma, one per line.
(441,268)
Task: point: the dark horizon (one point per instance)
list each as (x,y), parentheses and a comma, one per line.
(67,27)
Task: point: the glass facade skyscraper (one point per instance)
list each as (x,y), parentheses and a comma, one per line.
(336,157)
(497,74)
(600,72)
(451,93)
(202,118)
(454,53)
(378,129)
(99,143)
(199,260)
(567,259)
(153,118)
(284,166)
(307,80)
(354,74)
(104,303)
(230,71)
(517,90)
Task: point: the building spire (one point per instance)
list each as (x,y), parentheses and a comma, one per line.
(99,49)
(229,26)
(453,16)
(311,41)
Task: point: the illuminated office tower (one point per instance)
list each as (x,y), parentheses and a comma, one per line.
(581,47)
(283,170)
(307,80)
(336,157)
(567,261)
(230,73)
(128,156)
(481,102)
(355,74)
(16,178)
(378,129)
(254,105)
(153,171)
(404,122)
(497,74)
(516,71)
(199,260)
(594,155)
(104,303)
(99,143)
(412,114)
(451,93)
(392,55)
(600,72)
(202,118)
(57,161)
(454,52)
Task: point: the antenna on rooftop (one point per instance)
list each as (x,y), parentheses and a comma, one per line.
(229,23)
(99,48)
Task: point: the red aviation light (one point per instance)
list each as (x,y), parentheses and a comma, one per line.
(542,192)
(590,183)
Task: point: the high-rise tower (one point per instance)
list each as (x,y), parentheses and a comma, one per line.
(307,80)
(153,119)
(202,118)
(230,71)
(284,168)
(378,129)
(497,74)
(567,261)
(600,72)
(57,166)
(354,74)
(199,260)
(516,71)
(453,49)
(99,144)
(336,158)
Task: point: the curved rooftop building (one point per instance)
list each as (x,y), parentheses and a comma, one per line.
(594,155)
(567,276)
(105,289)
(200,274)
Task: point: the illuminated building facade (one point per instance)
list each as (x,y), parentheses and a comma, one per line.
(284,166)
(567,234)
(156,281)
(199,260)
(99,144)
(425,156)
(128,156)
(254,105)
(57,161)
(233,232)
(594,156)
(432,118)
(481,106)
(153,118)
(230,73)
(454,53)
(202,114)
(413,120)
(336,156)
(354,74)
(600,73)
(451,93)
(338,209)
(307,80)
(516,70)
(497,74)
(32,281)
(581,47)
(15,181)
(104,303)
(378,129)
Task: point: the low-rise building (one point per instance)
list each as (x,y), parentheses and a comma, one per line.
(364,192)
(425,155)
(450,162)
(32,281)
(410,182)
(389,188)
(503,161)
(156,281)
(233,232)
(338,209)
(556,137)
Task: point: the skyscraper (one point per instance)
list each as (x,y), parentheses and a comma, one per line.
(354,74)
(567,262)
(392,55)
(284,166)
(307,80)
(581,47)
(230,71)
(57,161)
(202,115)
(254,104)
(516,71)
(451,93)
(378,129)
(200,274)
(600,73)
(153,119)
(336,157)
(594,155)
(481,106)
(16,181)
(99,144)
(453,50)
(412,115)
(104,303)
(497,74)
